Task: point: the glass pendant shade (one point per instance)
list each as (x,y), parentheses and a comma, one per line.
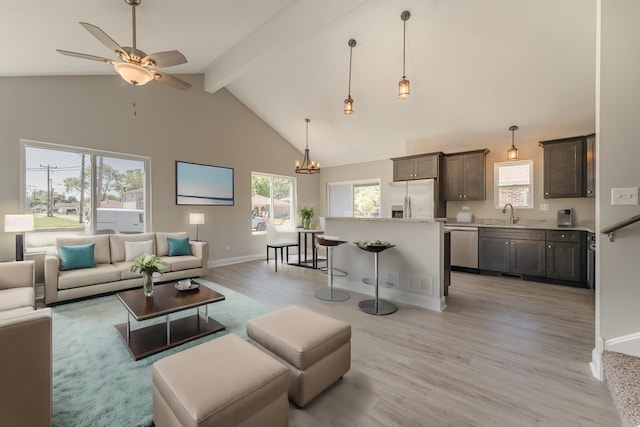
(134,74)
(348,106)
(403,88)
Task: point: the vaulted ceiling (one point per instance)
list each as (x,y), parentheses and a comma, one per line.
(476,67)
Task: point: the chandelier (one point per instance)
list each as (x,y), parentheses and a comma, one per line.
(308,166)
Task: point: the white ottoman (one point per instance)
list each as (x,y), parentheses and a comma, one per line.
(223,382)
(315,348)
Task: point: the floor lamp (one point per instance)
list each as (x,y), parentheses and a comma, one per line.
(18,224)
(197,219)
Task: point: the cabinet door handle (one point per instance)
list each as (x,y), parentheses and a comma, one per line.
(546,194)
(562,235)
(506,243)
(549,246)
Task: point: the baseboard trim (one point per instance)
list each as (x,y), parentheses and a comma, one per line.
(234,260)
(627,344)
(596,365)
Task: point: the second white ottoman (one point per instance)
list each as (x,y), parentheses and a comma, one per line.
(316,348)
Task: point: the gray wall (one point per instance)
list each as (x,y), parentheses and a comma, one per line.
(96,112)
(618,295)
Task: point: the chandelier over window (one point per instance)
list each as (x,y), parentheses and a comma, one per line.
(308,166)
(348,103)
(403,85)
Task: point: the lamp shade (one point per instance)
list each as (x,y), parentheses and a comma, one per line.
(196,218)
(18,223)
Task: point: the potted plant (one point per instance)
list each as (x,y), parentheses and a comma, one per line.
(306,213)
(147,265)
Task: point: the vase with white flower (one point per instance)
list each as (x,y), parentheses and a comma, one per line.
(147,265)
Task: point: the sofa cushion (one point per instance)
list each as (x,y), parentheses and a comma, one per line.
(16,298)
(178,246)
(102,253)
(162,247)
(133,250)
(101,273)
(77,256)
(177,263)
(15,312)
(117,241)
(125,270)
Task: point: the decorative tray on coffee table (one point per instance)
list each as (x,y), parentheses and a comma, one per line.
(187,285)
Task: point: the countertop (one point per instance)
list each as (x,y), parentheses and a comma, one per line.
(502,223)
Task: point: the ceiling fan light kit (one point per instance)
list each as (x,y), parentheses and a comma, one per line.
(403,85)
(135,66)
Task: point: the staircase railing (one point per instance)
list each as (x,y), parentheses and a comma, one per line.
(611,230)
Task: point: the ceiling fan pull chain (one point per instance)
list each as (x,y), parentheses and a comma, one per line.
(133,99)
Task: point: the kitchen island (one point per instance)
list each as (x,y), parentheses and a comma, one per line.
(414,268)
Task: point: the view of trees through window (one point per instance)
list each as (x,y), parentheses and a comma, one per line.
(354,199)
(272,200)
(60,186)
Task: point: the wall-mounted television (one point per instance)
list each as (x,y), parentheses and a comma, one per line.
(198,184)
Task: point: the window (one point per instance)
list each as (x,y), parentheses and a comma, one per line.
(359,199)
(76,191)
(513,183)
(272,200)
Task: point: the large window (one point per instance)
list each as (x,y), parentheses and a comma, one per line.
(272,200)
(359,199)
(75,191)
(514,184)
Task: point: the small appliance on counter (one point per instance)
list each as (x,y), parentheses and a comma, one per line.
(565,217)
(464,216)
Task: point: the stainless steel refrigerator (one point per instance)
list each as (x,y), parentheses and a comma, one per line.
(419,199)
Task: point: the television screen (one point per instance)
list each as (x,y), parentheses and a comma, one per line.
(198,184)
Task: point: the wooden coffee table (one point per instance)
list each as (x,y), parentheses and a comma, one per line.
(166,299)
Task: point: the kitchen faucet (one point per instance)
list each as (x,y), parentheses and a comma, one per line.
(512,219)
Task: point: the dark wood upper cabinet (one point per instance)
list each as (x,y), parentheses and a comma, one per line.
(464,176)
(422,166)
(569,167)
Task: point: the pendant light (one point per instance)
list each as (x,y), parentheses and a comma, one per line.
(308,166)
(403,85)
(512,153)
(348,103)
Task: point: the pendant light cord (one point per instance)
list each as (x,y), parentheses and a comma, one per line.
(350,58)
(404,47)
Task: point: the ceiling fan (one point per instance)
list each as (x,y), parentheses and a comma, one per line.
(135,66)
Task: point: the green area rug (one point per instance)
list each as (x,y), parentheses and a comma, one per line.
(96,382)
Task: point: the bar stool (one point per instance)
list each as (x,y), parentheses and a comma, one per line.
(376,306)
(328,293)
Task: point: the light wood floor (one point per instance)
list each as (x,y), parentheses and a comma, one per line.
(505,352)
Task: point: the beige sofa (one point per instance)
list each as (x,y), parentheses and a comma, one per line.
(17,291)
(25,369)
(111,272)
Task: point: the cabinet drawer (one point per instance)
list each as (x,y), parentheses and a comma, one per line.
(512,233)
(565,236)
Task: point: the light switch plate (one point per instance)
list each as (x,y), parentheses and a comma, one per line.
(624,196)
(544,206)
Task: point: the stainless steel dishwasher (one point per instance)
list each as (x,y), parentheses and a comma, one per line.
(464,247)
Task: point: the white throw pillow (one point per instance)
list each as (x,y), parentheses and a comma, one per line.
(133,250)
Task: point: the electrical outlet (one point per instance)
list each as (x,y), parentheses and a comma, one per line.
(227,247)
(624,196)
(544,206)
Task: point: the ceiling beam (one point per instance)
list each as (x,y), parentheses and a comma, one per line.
(297,21)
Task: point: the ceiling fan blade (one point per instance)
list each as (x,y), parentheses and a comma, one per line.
(170,80)
(85,56)
(165,59)
(105,40)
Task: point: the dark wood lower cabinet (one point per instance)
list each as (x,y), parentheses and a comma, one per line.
(556,256)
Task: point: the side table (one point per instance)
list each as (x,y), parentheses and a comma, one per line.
(376,306)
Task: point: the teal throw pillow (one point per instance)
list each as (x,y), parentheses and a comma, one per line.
(78,256)
(178,246)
